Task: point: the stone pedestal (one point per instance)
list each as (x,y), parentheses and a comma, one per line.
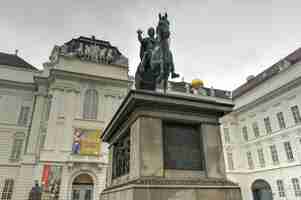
(167,147)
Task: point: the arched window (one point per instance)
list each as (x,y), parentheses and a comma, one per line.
(90,104)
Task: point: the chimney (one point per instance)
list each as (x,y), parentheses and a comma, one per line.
(16,52)
(251,77)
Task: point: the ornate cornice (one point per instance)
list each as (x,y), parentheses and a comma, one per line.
(65,86)
(18,85)
(140,100)
(56,73)
(271,95)
(163,182)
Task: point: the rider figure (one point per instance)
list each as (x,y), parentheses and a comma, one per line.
(147,46)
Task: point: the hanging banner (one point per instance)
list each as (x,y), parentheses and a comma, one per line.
(86,142)
(51,182)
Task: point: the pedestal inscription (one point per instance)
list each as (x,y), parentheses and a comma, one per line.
(182,147)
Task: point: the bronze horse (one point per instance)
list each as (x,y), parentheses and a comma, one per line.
(161,64)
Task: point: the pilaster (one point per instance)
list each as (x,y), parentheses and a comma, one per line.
(36,123)
(151,147)
(135,150)
(70,104)
(214,156)
(50,142)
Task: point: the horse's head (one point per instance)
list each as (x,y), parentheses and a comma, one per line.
(163,27)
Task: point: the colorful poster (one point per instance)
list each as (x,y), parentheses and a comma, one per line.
(86,142)
(51,182)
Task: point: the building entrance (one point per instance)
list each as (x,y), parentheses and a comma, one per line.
(261,190)
(82,187)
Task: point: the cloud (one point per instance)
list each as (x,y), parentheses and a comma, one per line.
(221,42)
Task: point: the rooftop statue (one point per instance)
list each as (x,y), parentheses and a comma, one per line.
(156,58)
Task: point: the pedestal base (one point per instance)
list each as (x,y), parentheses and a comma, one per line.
(171,189)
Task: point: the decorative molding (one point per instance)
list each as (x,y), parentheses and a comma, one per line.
(252,115)
(65,86)
(291,97)
(91,50)
(70,166)
(258,144)
(263,110)
(271,95)
(276,104)
(161,182)
(43,94)
(67,75)
(284,137)
(18,85)
(143,101)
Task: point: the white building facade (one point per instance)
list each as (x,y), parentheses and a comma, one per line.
(262,136)
(51,120)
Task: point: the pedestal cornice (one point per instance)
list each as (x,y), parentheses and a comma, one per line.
(144,102)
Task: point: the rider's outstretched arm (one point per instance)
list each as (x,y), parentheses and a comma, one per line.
(140,36)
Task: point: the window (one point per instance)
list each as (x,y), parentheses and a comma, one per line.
(90,104)
(288,150)
(280,187)
(17,146)
(281,120)
(296,114)
(267,124)
(7,189)
(250,160)
(274,154)
(23,117)
(261,157)
(230,161)
(245,133)
(255,129)
(226,135)
(75,194)
(296,186)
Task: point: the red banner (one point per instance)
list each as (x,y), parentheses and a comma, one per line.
(45,176)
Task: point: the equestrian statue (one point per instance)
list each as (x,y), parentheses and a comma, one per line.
(156,58)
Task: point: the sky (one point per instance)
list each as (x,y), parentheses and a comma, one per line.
(219,41)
